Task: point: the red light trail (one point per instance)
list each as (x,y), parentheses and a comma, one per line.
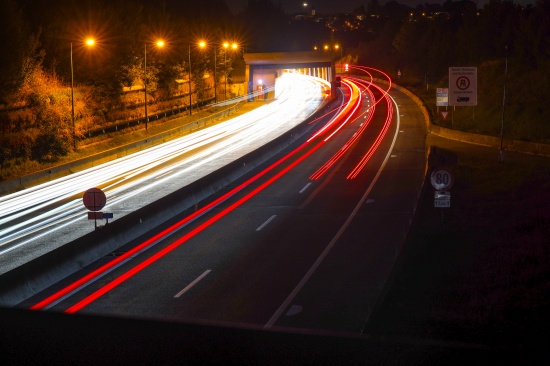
(153,240)
(334,125)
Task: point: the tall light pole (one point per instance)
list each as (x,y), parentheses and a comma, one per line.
(190,87)
(234,46)
(145,84)
(226,45)
(90,42)
(72,98)
(202,44)
(160,43)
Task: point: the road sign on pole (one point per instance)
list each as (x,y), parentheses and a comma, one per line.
(463,86)
(442,179)
(442,199)
(442,97)
(94,199)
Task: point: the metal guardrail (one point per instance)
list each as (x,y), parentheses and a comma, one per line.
(155,117)
(138,121)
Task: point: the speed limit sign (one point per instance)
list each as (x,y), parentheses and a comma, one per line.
(442,179)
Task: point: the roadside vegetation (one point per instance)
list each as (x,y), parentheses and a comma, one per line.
(41,41)
(508,44)
(476,273)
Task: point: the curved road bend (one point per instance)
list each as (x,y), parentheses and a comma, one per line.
(302,253)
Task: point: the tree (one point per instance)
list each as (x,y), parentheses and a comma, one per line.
(20,55)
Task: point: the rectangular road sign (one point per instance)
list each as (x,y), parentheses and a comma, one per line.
(442,199)
(462,86)
(95,215)
(442,97)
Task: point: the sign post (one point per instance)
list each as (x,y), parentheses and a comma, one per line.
(94,199)
(442,180)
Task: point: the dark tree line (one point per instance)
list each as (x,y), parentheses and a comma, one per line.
(36,38)
(500,37)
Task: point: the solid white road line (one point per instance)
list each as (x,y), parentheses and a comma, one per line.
(325,252)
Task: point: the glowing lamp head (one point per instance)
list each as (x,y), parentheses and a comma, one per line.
(90,41)
(160,43)
(260,82)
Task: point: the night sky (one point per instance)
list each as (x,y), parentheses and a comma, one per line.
(343,6)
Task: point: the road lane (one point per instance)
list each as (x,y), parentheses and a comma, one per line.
(253,272)
(40,219)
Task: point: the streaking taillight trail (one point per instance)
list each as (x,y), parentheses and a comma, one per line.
(299,154)
(352,83)
(84,281)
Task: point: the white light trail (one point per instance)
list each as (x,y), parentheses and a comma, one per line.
(33,214)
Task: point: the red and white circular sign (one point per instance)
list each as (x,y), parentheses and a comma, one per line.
(94,199)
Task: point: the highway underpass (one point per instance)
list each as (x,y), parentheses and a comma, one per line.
(263,69)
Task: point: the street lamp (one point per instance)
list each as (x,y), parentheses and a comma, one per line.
(226,45)
(202,44)
(160,44)
(190,87)
(90,42)
(338,47)
(234,47)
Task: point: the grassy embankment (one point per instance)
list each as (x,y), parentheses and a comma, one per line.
(477,272)
(88,147)
(525,113)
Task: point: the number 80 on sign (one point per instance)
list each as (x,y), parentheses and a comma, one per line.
(442,179)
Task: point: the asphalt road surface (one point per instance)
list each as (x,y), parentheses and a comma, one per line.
(295,247)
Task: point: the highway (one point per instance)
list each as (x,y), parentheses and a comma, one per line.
(306,240)
(38,220)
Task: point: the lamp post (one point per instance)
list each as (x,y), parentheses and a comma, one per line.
(190,87)
(72,98)
(202,44)
(159,43)
(234,46)
(90,42)
(226,45)
(145,84)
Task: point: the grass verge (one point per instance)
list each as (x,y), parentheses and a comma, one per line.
(478,271)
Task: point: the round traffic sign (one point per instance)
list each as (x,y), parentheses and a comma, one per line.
(94,199)
(442,179)
(462,83)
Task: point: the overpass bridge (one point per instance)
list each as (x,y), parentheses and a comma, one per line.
(262,69)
